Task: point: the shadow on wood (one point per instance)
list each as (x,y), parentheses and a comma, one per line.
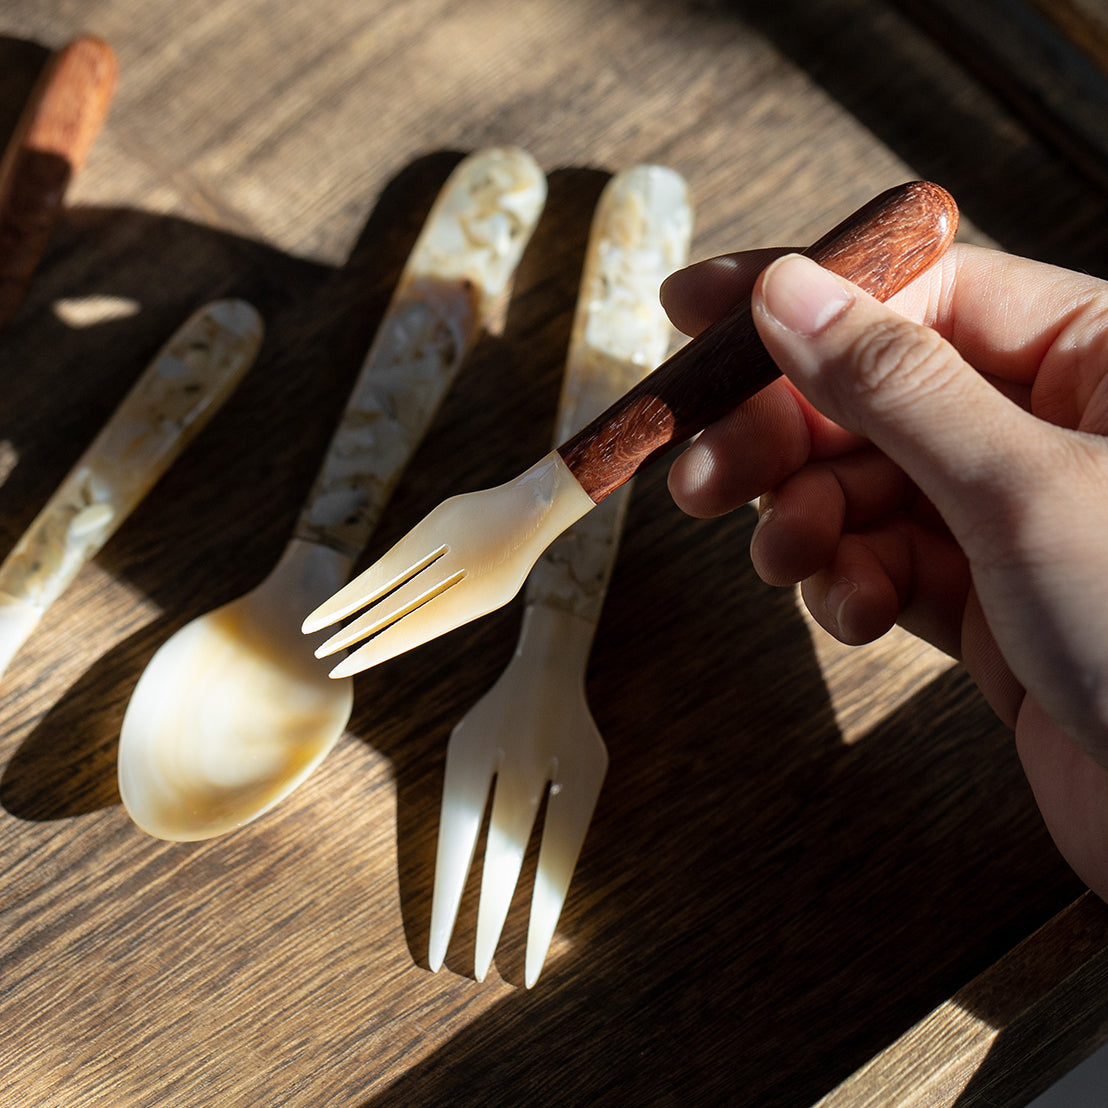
(810,875)
(259,451)
(895,82)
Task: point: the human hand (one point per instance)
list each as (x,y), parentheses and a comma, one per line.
(938,462)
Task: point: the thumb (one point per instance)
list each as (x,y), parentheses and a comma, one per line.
(1023,497)
(898,384)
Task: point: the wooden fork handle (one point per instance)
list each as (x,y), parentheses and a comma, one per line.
(51,141)
(881,248)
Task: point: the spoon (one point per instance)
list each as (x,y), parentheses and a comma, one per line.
(234,711)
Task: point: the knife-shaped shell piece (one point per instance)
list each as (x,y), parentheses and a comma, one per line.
(172,400)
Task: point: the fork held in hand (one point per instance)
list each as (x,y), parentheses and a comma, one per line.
(533,728)
(479,547)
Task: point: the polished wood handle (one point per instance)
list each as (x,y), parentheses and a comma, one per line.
(881,247)
(50,144)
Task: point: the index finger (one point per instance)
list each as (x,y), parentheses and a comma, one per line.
(1002,313)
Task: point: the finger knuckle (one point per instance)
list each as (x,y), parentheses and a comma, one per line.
(896,361)
(1080,355)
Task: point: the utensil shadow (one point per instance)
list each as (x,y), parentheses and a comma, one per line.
(259,453)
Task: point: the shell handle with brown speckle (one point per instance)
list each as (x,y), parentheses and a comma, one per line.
(173,399)
(460,265)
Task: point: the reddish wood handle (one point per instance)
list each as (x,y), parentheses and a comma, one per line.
(50,144)
(881,247)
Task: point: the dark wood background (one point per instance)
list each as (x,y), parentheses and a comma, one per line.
(811,869)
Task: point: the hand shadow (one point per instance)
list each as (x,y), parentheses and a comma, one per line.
(271,434)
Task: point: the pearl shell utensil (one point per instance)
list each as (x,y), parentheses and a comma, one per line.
(473,552)
(533,731)
(234,710)
(173,399)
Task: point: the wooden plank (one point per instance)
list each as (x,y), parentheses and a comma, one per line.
(1046,60)
(1006,1036)
(1083,22)
(753,917)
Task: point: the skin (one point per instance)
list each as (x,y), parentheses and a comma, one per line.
(938,462)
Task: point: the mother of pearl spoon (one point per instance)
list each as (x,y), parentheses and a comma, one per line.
(234,710)
(176,395)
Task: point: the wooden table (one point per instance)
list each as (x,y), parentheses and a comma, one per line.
(813,872)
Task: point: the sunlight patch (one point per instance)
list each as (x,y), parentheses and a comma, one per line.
(87,311)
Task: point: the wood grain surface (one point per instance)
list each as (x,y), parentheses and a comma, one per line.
(807,861)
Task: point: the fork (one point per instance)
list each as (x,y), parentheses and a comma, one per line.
(533,728)
(483,544)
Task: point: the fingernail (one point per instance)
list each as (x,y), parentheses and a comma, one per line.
(803,296)
(838,595)
(765,510)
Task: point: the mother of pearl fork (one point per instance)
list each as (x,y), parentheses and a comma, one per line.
(533,729)
(474,551)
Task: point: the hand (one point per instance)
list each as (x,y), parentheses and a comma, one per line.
(938,462)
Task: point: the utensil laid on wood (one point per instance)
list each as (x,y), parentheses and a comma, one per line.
(533,729)
(473,552)
(234,711)
(51,141)
(169,404)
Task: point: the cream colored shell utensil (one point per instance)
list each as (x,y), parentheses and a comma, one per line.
(234,710)
(533,730)
(459,268)
(181,389)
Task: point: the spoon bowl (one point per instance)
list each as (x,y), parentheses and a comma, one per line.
(234,711)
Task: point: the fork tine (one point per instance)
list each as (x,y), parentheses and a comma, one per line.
(447,608)
(405,560)
(515,804)
(409,597)
(568,814)
(465,792)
